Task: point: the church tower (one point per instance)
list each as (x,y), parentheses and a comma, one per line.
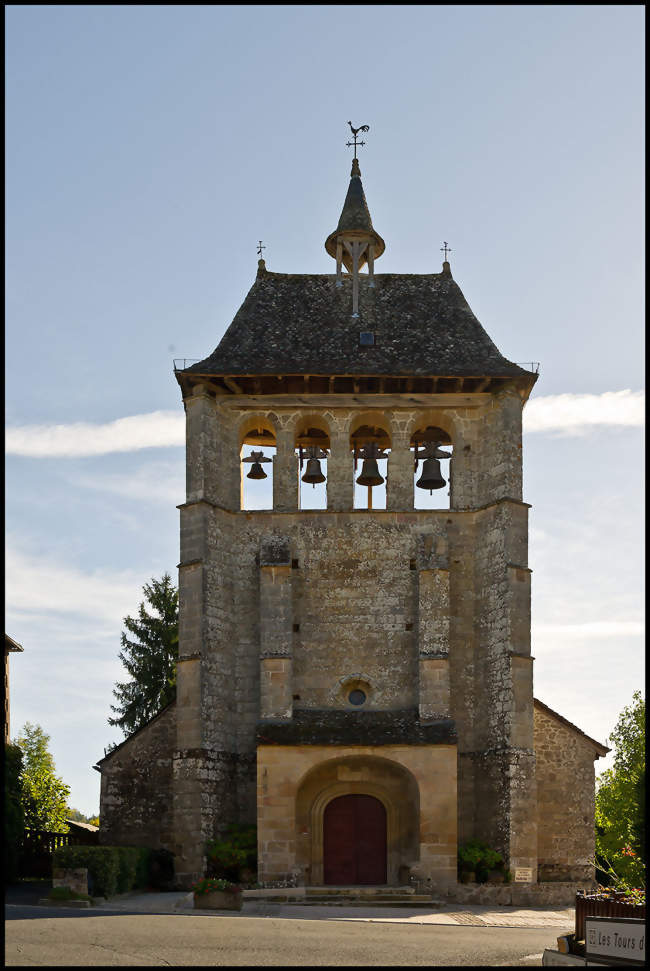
(355,679)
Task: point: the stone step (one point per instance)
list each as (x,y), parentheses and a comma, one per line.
(360,891)
(407,900)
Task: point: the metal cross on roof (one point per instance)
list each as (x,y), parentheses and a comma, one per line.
(445,249)
(355,132)
(259,249)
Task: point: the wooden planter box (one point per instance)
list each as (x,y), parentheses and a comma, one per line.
(588,905)
(218,900)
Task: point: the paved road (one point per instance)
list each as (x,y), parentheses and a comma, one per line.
(40,936)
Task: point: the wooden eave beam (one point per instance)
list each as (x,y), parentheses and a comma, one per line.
(232,385)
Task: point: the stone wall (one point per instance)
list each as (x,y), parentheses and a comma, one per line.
(136,787)
(565,798)
(420,609)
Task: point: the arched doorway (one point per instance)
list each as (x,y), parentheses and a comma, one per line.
(354,841)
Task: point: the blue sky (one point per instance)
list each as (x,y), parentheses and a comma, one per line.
(148,148)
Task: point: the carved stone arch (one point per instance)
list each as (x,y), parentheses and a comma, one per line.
(305,423)
(434,418)
(385,779)
(257,430)
(372,419)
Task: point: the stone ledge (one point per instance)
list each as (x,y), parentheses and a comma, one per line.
(330,727)
(517,894)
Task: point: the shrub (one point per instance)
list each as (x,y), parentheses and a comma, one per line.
(206,885)
(111,869)
(477,856)
(64,893)
(238,851)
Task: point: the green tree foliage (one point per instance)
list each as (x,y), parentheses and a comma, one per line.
(14,819)
(149,656)
(44,795)
(620,799)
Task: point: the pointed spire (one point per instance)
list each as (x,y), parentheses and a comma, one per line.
(355,224)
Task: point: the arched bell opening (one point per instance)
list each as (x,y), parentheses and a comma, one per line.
(432,452)
(256,454)
(312,449)
(370,443)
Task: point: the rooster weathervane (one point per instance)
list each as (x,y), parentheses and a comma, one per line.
(355,132)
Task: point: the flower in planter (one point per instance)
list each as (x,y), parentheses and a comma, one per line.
(207,885)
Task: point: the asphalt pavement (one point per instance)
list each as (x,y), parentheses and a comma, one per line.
(157,929)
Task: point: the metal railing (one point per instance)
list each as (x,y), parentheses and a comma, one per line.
(529,366)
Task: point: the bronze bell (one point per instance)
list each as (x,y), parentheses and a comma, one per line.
(313,473)
(256,472)
(370,475)
(431,477)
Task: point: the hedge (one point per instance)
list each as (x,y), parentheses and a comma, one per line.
(111,869)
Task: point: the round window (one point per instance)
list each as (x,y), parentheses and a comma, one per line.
(357,697)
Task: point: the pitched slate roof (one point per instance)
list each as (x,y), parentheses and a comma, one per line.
(303,324)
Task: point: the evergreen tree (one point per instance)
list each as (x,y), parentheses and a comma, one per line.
(44,795)
(149,656)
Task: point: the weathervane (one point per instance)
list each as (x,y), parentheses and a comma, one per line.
(259,249)
(355,132)
(445,249)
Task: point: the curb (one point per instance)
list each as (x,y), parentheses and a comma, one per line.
(75,904)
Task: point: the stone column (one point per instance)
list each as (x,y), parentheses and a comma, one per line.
(212,457)
(433,643)
(285,473)
(340,474)
(399,484)
(276,633)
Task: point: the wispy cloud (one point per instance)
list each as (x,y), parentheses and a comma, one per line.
(589,629)
(566,414)
(574,414)
(37,585)
(154,430)
(162,482)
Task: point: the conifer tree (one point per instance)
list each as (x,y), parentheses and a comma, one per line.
(149,656)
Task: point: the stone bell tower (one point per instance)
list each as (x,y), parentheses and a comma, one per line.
(357,680)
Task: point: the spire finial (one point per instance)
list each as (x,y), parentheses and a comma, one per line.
(261,265)
(445,249)
(355,132)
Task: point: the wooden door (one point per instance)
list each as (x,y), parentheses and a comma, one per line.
(354,841)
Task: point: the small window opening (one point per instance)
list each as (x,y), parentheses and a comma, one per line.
(412,565)
(296,628)
(357,697)
(409,625)
(366,338)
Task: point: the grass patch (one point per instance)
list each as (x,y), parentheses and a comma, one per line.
(64,893)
